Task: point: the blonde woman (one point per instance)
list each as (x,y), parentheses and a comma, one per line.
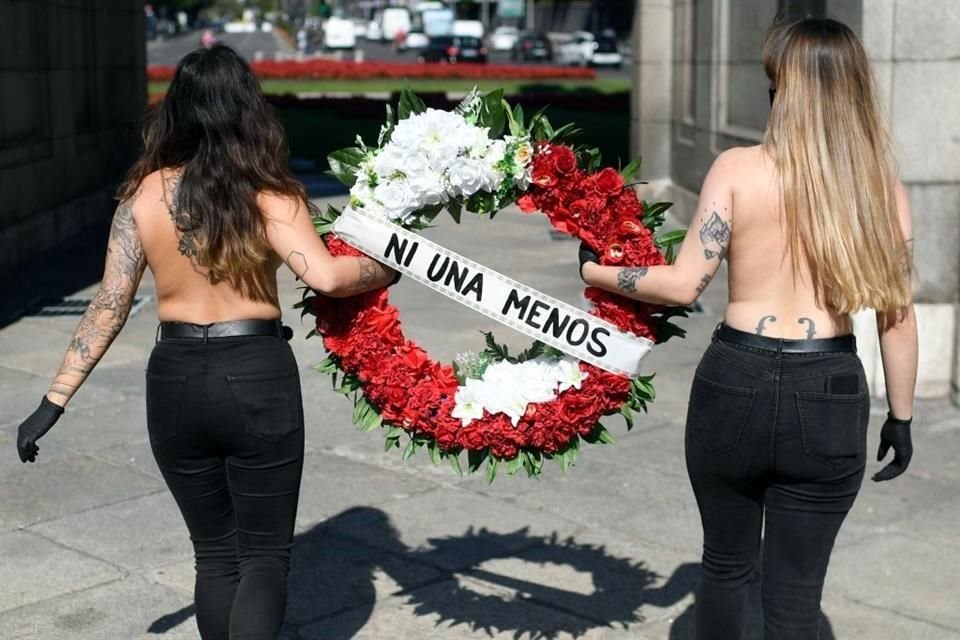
(815,226)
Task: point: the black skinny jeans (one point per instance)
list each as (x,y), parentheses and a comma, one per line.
(225,418)
(780,437)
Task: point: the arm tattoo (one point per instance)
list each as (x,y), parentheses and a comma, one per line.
(762,325)
(906,258)
(627,278)
(704,281)
(185,225)
(715,237)
(109,309)
(811,327)
(370,273)
(298,264)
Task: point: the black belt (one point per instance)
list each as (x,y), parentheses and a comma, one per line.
(228,329)
(839,344)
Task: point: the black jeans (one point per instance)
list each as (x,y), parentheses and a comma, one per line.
(776,437)
(225,418)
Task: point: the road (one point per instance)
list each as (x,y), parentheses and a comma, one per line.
(268,44)
(246,44)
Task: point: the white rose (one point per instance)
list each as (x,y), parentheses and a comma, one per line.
(397,199)
(467,176)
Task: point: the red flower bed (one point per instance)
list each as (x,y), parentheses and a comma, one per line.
(334,70)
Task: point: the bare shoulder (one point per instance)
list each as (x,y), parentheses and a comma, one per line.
(277,207)
(738,159)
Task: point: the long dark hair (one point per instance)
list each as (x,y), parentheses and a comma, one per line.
(216,126)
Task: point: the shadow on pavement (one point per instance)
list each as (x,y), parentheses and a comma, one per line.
(457,582)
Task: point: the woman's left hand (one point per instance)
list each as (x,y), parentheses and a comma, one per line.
(34,427)
(587,255)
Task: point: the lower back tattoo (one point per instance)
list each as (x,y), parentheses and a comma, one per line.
(762,325)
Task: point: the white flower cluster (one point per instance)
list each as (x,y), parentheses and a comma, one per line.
(508,388)
(434,157)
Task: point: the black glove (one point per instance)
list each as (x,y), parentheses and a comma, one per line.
(586,255)
(896,434)
(33,428)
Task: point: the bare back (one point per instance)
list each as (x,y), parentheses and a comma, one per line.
(184,292)
(766,296)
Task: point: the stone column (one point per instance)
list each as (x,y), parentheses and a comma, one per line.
(916,55)
(652,87)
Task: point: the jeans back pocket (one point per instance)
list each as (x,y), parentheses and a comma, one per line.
(269,403)
(833,427)
(163,405)
(718,413)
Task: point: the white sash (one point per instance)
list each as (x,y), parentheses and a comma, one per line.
(503,299)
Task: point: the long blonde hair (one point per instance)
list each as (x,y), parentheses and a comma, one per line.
(832,150)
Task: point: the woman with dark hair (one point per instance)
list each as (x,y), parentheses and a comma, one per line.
(815,226)
(213,210)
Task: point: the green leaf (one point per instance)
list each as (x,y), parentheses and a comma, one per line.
(627,414)
(475,459)
(492,466)
(391,443)
(345,163)
(455,209)
(514,465)
(493,114)
(494,350)
(454,459)
(654,214)
(535,350)
(630,171)
(410,104)
(410,449)
(518,116)
(435,453)
(327,365)
(565,132)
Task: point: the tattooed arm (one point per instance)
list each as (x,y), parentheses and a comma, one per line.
(109,309)
(704,248)
(291,233)
(898,329)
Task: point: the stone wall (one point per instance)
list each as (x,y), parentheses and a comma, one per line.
(699,88)
(72,88)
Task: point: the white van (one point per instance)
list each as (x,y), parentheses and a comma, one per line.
(394,20)
(468,28)
(338,33)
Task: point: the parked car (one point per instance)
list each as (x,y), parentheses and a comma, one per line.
(414,41)
(606,53)
(578,50)
(374,31)
(454,49)
(394,21)
(338,34)
(504,38)
(470,28)
(532,46)
(359,28)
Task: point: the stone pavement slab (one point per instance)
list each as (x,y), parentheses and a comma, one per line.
(35,568)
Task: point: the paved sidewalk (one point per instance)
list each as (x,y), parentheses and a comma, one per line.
(93,546)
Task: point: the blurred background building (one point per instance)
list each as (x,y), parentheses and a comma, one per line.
(72,87)
(699,88)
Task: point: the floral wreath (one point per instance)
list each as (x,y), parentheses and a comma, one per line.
(517,410)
